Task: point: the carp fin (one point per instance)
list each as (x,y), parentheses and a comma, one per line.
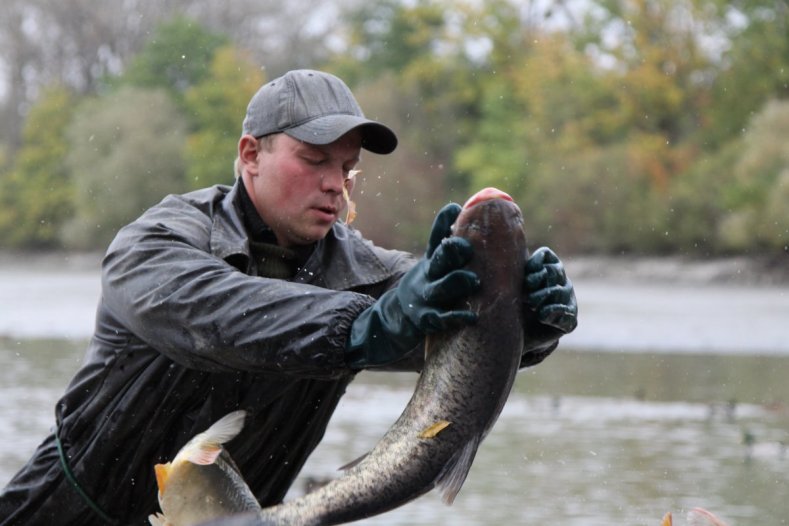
(225,429)
(452,477)
(204,454)
(205,447)
(667,520)
(162,472)
(702,517)
(158,519)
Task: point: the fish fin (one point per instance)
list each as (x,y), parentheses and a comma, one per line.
(452,477)
(203,454)
(226,428)
(667,520)
(205,447)
(702,517)
(158,519)
(353,463)
(162,472)
(433,430)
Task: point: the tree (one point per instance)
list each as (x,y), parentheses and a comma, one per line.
(35,195)
(754,67)
(217,105)
(758,216)
(76,44)
(126,154)
(398,195)
(81,43)
(177,58)
(389,36)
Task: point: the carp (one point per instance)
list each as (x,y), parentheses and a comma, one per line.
(202,482)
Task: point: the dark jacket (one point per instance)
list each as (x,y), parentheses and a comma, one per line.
(185,333)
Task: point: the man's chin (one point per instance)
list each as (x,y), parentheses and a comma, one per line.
(308,238)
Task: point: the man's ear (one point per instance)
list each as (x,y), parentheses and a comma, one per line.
(248,153)
(349,183)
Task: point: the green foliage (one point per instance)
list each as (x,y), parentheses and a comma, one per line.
(759,215)
(36,192)
(390,36)
(397,196)
(126,154)
(594,202)
(176,58)
(498,155)
(217,104)
(628,126)
(700,200)
(756,69)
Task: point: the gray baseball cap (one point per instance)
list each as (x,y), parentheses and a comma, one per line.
(314,107)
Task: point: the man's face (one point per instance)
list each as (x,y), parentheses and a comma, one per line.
(297,187)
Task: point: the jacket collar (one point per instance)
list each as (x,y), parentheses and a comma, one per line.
(343,260)
(229,239)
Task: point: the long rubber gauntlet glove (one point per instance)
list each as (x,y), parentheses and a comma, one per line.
(550,307)
(421,302)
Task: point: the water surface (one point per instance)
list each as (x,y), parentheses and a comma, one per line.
(643,410)
(586,438)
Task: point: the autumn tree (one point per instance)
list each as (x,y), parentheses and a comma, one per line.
(178,57)
(217,105)
(36,192)
(126,155)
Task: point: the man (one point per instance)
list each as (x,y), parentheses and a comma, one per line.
(255,297)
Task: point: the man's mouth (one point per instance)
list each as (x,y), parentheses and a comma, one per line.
(328,210)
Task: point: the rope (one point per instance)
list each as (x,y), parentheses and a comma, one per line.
(71,478)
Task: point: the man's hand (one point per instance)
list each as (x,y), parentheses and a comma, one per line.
(435,282)
(419,305)
(551,310)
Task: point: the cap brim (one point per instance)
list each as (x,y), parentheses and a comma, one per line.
(376,137)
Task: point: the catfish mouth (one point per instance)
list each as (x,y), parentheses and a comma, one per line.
(486,194)
(499,215)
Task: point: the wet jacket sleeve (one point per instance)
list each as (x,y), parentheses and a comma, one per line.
(163,285)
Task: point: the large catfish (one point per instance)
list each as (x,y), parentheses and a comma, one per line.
(466,379)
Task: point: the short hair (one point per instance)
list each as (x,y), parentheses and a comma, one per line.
(266,142)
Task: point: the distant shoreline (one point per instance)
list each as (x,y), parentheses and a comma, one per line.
(735,270)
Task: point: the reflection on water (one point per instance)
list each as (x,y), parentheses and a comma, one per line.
(586,438)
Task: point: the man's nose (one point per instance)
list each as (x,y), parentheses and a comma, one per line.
(332,180)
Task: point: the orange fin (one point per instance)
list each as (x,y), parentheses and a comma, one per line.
(162,473)
(433,430)
(667,520)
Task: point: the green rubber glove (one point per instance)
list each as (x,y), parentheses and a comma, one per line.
(420,303)
(550,307)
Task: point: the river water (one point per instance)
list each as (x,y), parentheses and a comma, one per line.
(644,409)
